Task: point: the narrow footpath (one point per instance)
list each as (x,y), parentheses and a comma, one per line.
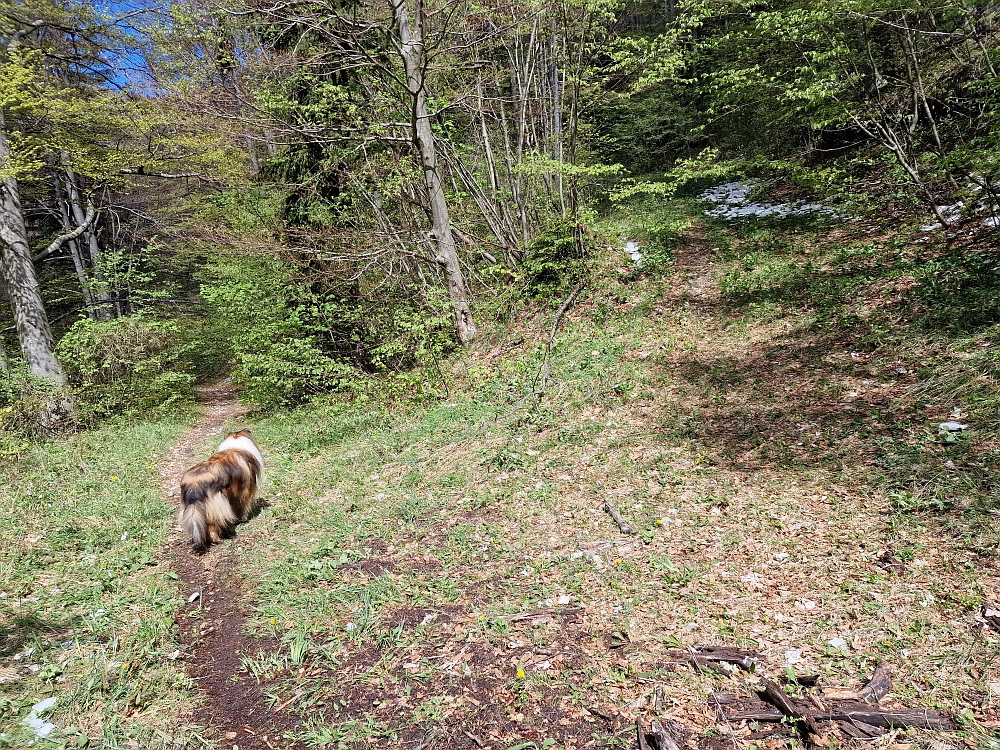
(233,708)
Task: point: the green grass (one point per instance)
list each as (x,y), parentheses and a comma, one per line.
(484,502)
(87,605)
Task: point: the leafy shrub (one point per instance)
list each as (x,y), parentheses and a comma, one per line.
(554,261)
(128,366)
(291,337)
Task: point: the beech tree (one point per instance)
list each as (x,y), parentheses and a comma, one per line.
(30,320)
(411,50)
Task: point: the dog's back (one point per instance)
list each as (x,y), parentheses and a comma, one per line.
(219,492)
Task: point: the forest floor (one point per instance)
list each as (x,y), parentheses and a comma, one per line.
(761,404)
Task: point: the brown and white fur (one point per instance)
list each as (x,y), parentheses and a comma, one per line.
(220,492)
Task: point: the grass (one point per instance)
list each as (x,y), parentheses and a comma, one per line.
(737,395)
(762,503)
(86,605)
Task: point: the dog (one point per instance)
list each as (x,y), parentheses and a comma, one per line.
(220,492)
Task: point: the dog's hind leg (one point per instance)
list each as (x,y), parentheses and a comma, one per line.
(219,516)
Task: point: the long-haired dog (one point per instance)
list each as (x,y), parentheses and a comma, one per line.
(220,492)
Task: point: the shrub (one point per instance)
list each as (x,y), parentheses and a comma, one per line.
(24,403)
(554,261)
(126,367)
(292,335)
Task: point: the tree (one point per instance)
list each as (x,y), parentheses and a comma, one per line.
(411,52)
(30,319)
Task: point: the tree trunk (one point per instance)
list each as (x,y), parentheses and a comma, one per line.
(411,52)
(74,249)
(105,309)
(30,320)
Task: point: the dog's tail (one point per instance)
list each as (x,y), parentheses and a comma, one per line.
(205,509)
(192,521)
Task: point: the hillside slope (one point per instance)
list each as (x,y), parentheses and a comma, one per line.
(760,403)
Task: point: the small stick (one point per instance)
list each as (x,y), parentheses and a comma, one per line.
(658,699)
(624,525)
(547,367)
(562,311)
(549,611)
(806,724)
(286,703)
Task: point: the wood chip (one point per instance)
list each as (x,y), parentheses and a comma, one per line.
(841,694)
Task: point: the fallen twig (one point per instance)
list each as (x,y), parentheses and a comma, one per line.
(562,311)
(546,368)
(805,723)
(547,612)
(289,701)
(921,718)
(624,525)
(704,657)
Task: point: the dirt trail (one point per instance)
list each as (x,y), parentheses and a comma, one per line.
(213,643)
(693,258)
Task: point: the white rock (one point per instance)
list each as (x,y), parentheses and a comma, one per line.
(565,599)
(838,643)
(43,705)
(952,426)
(794,656)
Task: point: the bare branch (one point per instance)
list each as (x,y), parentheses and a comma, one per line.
(63,238)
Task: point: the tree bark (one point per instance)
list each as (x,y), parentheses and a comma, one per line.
(411,52)
(105,309)
(30,320)
(74,249)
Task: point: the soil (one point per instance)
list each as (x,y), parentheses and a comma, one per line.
(234,707)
